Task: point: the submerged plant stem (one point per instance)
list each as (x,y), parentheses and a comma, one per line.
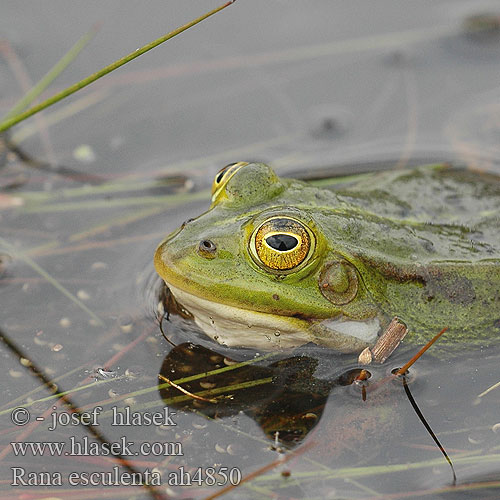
(51,280)
(428,427)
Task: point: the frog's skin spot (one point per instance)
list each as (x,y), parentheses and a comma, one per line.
(437,281)
(455,288)
(232,326)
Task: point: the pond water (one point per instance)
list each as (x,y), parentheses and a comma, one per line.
(97,182)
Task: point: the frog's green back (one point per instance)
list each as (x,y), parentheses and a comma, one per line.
(437,194)
(428,241)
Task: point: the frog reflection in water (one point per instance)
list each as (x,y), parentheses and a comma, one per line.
(280,262)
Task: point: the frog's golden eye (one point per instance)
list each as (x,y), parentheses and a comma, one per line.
(281,243)
(223,176)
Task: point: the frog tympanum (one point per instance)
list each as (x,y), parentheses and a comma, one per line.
(281,262)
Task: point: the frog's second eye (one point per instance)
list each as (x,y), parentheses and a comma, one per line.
(221,173)
(281,244)
(223,176)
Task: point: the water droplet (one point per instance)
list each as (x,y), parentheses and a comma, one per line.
(39,341)
(98,266)
(220,448)
(207,385)
(199,425)
(83,295)
(311,416)
(84,153)
(25,362)
(134,371)
(475,437)
(65,322)
(125,323)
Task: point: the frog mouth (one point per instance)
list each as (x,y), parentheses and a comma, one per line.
(238,327)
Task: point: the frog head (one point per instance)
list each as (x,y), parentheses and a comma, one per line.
(260,269)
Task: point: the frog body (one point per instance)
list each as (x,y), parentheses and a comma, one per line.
(281,262)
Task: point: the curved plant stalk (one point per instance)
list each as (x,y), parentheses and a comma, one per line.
(428,427)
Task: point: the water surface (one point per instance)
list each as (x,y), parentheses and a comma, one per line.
(327,86)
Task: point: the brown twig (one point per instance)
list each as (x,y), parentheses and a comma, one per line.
(405,367)
(386,343)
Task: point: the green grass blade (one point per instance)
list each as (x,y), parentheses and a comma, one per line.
(6,124)
(53,73)
(157,387)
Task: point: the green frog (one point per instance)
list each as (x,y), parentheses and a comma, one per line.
(278,262)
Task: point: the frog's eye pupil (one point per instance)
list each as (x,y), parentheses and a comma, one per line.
(282,242)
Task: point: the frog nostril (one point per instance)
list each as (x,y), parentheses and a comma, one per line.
(207,245)
(207,249)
